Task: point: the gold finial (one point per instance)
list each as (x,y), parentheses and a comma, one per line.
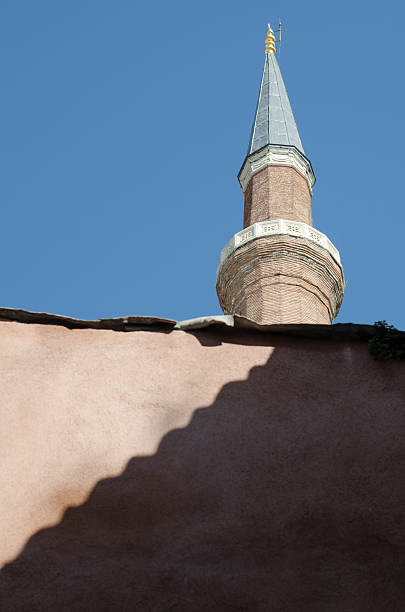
(270,41)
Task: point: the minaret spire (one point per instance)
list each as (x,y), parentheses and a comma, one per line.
(278,269)
(274,121)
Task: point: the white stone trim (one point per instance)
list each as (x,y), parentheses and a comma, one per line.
(274,155)
(278,227)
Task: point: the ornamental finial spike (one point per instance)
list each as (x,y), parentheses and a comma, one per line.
(270,41)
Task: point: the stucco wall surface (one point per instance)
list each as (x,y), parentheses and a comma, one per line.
(208,470)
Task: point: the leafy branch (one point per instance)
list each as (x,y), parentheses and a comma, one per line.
(387,342)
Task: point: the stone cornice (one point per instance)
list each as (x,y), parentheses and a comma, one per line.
(276,155)
(278,227)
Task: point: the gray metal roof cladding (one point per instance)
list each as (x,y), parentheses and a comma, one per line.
(274,120)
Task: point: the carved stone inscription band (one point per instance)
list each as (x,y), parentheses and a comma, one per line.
(278,226)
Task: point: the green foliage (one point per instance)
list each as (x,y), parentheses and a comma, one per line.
(387,342)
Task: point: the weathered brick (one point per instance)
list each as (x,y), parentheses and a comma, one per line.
(281,279)
(277,192)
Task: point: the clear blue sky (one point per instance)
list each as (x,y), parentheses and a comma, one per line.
(124,125)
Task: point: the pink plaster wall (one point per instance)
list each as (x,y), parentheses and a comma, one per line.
(214,470)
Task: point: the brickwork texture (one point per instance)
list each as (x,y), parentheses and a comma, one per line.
(281,279)
(277,192)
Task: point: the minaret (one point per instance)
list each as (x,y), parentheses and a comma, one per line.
(278,269)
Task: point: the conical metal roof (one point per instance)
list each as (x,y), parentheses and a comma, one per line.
(274,121)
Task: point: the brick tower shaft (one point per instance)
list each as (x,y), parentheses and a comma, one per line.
(276,192)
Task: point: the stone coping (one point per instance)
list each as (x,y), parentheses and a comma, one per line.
(224,324)
(275,227)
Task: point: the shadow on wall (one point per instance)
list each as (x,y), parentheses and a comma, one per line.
(282,495)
